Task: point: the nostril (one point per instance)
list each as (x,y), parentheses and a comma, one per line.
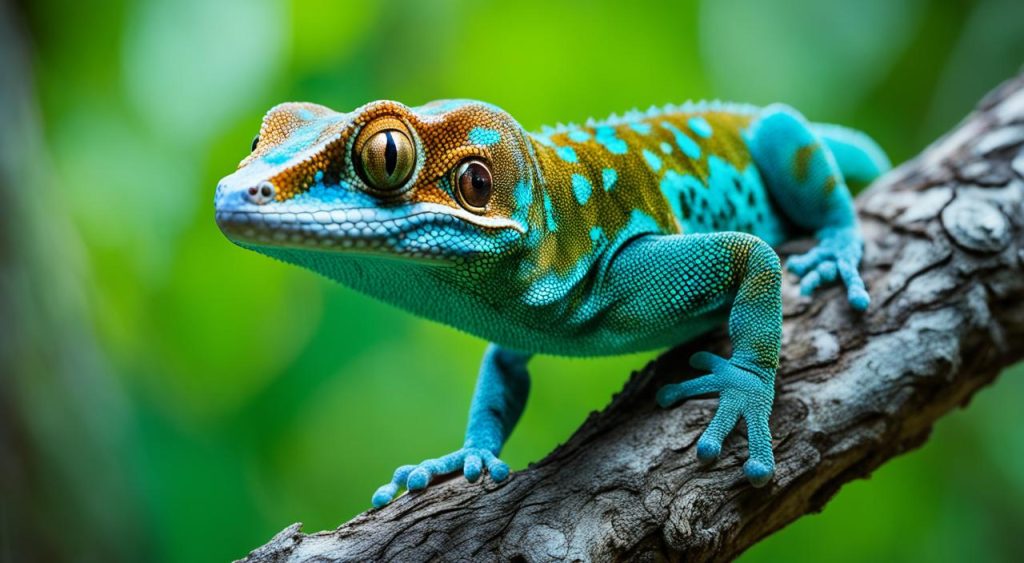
(261,193)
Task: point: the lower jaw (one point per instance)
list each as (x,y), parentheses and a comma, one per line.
(323,240)
(312,239)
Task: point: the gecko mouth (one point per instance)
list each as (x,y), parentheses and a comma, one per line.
(408,230)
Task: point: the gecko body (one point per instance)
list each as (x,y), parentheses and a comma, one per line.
(628,234)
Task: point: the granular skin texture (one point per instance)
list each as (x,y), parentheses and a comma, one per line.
(628,234)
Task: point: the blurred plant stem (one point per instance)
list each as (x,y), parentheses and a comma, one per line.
(65,491)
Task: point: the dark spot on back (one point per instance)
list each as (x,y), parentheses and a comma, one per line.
(684,207)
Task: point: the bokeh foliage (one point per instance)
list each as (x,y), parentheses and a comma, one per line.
(180,399)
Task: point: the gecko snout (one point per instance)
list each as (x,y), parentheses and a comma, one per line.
(261,193)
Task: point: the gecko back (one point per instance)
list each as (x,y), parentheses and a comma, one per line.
(690,168)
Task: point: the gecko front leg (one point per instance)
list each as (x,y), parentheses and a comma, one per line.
(498,402)
(686,277)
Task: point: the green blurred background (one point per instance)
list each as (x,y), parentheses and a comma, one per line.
(168,396)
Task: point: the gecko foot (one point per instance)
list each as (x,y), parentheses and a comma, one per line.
(838,254)
(741,393)
(414,477)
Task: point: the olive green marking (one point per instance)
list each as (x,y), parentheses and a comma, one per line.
(830,184)
(802,161)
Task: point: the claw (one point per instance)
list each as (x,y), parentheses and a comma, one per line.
(758,473)
(418,479)
(858,298)
(384,495)
(708,450)
(472,468)
(498,469)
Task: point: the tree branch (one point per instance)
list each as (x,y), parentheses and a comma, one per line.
(945,265)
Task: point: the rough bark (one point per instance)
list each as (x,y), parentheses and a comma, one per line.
(945,266)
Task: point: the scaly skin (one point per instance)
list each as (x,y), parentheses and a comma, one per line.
(630,234)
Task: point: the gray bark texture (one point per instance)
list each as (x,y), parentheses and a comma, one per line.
(944,263)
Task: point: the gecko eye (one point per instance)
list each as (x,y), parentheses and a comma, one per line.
(255,141)
(473,185)
(387,159)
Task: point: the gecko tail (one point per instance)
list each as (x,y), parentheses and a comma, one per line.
(860,158)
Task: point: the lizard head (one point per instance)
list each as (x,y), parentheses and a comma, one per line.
(440,184)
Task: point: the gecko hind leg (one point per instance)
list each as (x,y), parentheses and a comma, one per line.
(839,251)
(806,181)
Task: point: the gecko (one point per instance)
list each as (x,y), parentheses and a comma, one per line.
(633,233)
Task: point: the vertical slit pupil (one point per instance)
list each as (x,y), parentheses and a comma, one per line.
(390,154)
